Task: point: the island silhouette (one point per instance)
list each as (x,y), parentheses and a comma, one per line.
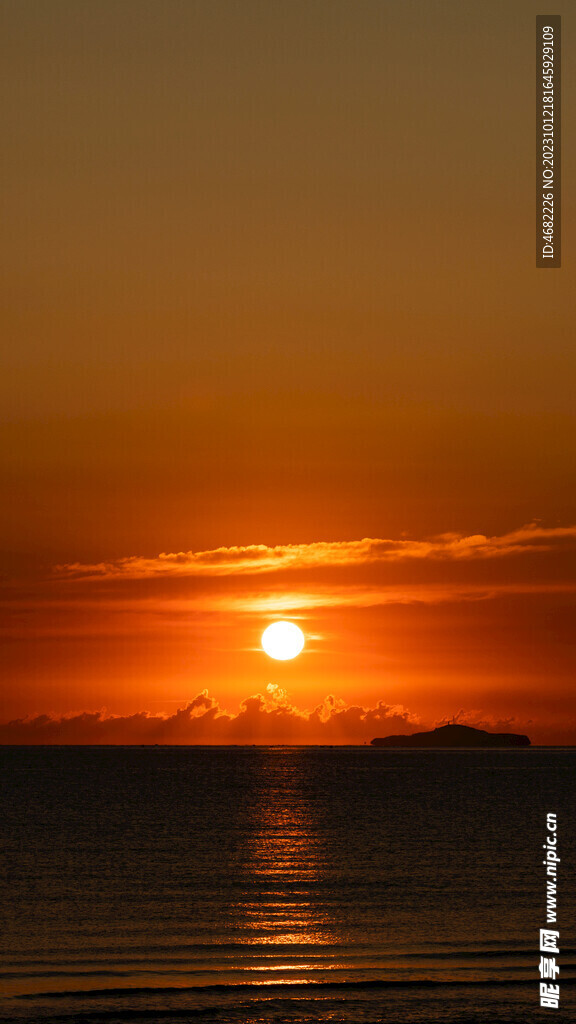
(453,735)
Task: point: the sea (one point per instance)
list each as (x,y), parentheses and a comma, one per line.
(247,885)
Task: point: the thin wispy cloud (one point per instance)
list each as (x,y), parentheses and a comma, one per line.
(374,596)
(260,558)
(125,616)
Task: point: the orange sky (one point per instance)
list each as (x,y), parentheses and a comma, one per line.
(269,289)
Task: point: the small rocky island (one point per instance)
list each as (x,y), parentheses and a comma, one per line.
(454,736)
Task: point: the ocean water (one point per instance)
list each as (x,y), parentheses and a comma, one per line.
(276,884)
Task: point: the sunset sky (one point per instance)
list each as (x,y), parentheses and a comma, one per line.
(276,347)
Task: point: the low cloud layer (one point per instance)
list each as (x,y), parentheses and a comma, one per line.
(269,718)
(263,719)
(258,558)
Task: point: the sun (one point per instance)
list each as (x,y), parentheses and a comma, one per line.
(283,640)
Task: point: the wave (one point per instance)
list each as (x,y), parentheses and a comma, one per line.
(232,952)
(300,986)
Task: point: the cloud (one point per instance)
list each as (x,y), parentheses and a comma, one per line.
(480,720)
(267,719)
(88,616)
(259,558)
(357,596)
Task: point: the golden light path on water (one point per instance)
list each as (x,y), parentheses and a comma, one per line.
(283,905)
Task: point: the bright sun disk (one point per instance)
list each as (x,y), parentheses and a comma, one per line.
(283,640)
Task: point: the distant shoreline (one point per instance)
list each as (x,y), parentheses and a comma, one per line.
(282,746)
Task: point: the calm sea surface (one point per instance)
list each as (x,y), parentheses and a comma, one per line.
(260,884)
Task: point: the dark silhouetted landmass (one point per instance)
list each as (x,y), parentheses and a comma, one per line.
(454,736)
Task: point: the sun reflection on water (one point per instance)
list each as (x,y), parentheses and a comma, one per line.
(284,898)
